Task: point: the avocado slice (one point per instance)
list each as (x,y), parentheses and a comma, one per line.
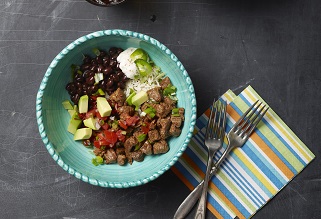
(74,123)
(91,123)
(139,98)
(103,107)
(71,112)
(67,105)
(83,104)
(83,133)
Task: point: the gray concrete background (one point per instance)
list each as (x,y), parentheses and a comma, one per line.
(275,46)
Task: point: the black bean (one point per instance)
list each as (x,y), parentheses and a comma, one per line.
(115,77)
(90,80)
(86,73)
(94,62)
(121,85)
(75,98)
(100,68)
(107,71)
(99,60)
(124,78)
(93,68)
(94,88)
(78,84)
(102,53)
(119,50)
(106,60)
(102,84)
(78,78)
(85,67)
(113,63)
(110,83)
(114,56)
(120,74)
(112,50)
(70,86)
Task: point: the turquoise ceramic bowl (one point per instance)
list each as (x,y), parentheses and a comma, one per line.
(53,119)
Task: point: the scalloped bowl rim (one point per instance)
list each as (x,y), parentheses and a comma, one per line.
(49,146)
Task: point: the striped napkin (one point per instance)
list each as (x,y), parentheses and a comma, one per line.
(252,174)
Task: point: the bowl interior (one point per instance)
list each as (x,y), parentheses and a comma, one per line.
(73,156)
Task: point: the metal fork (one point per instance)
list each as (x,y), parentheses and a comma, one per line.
(237,136)
(214,138)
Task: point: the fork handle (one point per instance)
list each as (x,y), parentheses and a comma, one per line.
(201,207)
(192,198)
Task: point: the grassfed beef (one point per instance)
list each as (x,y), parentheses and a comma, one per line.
(153,136)
(118,97)
(160,147)
(147,148)
(165,82)
(120,151)
(155,94)
(174,130)
(110,156)
(130,144)
(176,120)
(137,155)
(121,159)
(164,125)
(129,110)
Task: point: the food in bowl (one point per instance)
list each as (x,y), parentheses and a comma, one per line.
(125,107)
(53,119)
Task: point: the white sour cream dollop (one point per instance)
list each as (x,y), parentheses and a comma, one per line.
(126,64)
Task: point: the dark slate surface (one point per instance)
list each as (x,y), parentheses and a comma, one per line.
(275,46)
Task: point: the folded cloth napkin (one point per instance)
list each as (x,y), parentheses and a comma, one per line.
(251,175)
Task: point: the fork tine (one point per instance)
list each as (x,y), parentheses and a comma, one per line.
(236,125)
(256,122)
(250,119)
(209,121)
(214,125)
(222,130)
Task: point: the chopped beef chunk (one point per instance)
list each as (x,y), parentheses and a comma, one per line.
(121,159)
(155,94)
(99,152)
(120,151)
(167,108)
(110,156)
(160,147)
(164,125)
(181,113)
(147,148)
(144,106)
(126,109)
(153,136)
(174,130)
(152,125)
(160,110)
(130,144)
(137,155)
(169,101)
(118,97)
(177,121)
(165,82)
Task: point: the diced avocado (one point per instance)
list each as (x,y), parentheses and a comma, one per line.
(143,67)
(91,123)
(83,104)
(74,123)
(103,107)
(71,112)
(139,98)
(76,108)
(130,97)
(67,105)
(139,54)
(83,133)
